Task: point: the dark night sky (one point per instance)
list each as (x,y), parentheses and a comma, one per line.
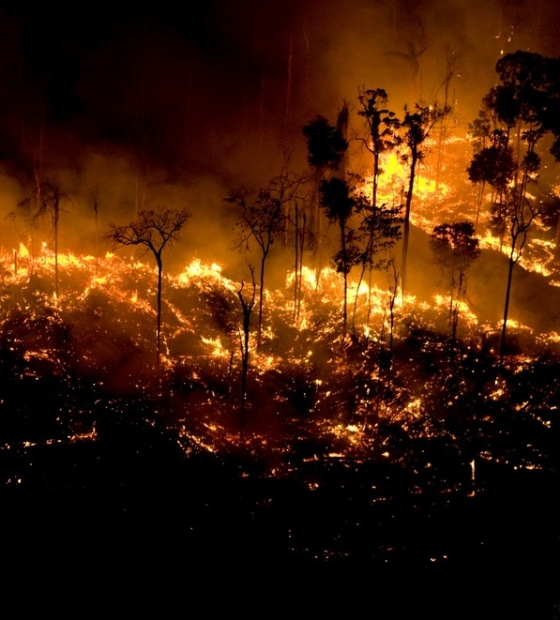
(181,104)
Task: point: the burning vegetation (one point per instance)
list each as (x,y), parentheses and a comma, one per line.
(343,415)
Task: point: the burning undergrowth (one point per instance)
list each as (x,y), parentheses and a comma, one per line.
(391,422)
(101,332)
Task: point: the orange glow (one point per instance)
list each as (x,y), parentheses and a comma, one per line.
(218,349)
(394,179)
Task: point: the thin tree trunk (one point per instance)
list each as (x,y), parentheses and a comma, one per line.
(158,328)
(261,302)
(479,204)
(244,345)
(56,252)
(345,297)
(406,227)
(297,273)
(506,304)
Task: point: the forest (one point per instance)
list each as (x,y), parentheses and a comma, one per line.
(369,385)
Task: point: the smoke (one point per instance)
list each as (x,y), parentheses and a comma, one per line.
(156,108)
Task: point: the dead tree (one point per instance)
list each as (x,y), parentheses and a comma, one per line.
(155,230)
(244,343)
(48,199)
(262,219)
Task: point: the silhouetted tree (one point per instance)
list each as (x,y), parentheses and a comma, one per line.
(393,289)
(378,231)
(326,147)
(302,240)
(380,225)
(455,248)
(299,223)
(381,125)
(247,306)
(155,230)
(478,136)
(417,126)
(326,144)
(386,352)
(48,199)
(339,203)
(494,165)
(262,220)
(520,109)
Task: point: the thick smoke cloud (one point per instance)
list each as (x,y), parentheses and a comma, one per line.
(150,107)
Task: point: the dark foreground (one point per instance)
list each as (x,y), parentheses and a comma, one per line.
(137,515)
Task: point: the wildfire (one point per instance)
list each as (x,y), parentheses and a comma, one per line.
(218,350)
(202,316)
(393,183)
(198,269)
(301,376)
(456,201)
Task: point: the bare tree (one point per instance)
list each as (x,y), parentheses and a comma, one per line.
(244,342)
(48,199)
(262,219)
(300,234)
(155,230)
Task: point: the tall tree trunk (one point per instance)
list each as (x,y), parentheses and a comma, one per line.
(55,226)
(299,245)
(158,313)
(244,345)
(261,301)
(406,226)
(345,268)
(511,264)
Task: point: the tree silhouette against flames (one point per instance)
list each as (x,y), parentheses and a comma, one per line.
(155,230)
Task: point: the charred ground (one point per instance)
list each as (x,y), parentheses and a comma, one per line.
(345,459)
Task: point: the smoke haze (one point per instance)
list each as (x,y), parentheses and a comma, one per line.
(155,107)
